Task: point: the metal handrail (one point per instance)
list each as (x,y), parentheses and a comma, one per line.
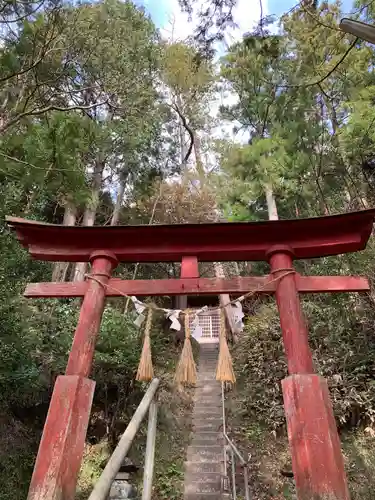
(103,486)
(234,453)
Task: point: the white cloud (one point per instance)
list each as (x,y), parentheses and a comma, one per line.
(178,27)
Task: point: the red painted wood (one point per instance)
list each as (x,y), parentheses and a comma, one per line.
(292,322)
(189,267)
(317,460)
(62,444)
(315,237)
(201,286)
(83,348)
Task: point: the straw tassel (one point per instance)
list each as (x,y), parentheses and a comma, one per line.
(224,370)
(145,369)
(186,372)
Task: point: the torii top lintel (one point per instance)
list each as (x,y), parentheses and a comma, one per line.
(308,238)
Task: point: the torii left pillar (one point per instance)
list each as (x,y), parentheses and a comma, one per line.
(62,444)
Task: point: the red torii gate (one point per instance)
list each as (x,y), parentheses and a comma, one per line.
(315,447)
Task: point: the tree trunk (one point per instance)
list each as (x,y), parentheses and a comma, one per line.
(60,268)
(225,302)
(90,212)
(345,166)
(181,130)
(119,198)
(198,157)
(271,203)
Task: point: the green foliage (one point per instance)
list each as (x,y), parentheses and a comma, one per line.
(259,363)
(167,481)
(52,152)
(341,339)
(310,142)
(308,145)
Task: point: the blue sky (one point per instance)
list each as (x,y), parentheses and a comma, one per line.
(278,7)
(248,12)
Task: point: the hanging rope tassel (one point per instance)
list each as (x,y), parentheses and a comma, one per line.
(145,369)
(186,372)
(224,370)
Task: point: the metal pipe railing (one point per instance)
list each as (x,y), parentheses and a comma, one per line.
(235,449)
(224,429)
(233,474)
(234,453)
(103,486)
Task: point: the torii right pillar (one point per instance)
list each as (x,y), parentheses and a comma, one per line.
(317,459)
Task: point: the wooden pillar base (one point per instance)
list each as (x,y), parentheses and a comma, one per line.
(317,459)
(62,444)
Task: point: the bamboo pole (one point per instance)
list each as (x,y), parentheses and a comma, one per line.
(150,452)
(105,481)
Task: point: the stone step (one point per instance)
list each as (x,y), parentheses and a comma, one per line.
(210,458)
(210,401)
(207,386)
(210,384)
(206,417)
(203,477)
(204,454)
(201,441)
(213,394)
(208,435)
(208,410)
(212,452)
(203,487)
(206,457)
(212,425)
(203,496)
(208,396)
(213,406)
(203,467)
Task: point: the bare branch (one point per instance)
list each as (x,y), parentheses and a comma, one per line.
(46,109)
(188,129)
(28,164)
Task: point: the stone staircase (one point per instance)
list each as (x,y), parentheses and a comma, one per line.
(204,468)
